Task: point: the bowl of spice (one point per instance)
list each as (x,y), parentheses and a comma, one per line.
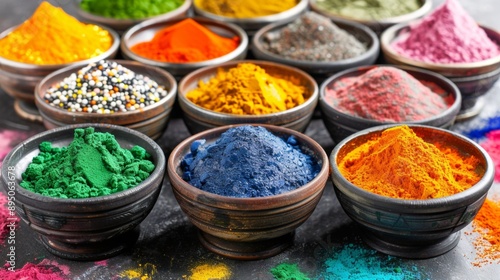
(247,91)
(250,15)
(363,97)
(184,45)
(449,42)
(248,187)
(316,44)
(49,40)
(411,188)
(85,188)
(122,14)
(377,15)
(120,92)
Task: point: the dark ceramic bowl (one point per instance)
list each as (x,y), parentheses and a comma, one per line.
(88,228)
(247,228)
(412,228)
(151,120)
(198,119)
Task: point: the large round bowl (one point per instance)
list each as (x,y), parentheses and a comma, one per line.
(146,30)
(473,79)
(198,119)
(247,228)
(412,228)
(88,228)
(340,124)
(151,120)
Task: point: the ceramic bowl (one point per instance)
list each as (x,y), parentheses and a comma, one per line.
(121,25)
(251,25)
(321,70)
(474,79)
(146,30)
(340,124)
(247,228)
(151,120)
(412,228)
(198,118)
(89,228)
(378,26)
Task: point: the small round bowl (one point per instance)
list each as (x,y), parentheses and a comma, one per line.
(198,119)
(473,79)
(146,30)
(251,25)
(321,69)
(340,125)
(247,228)
(121,25)
(151,120)
(89,228)
(378,26)
(412,228)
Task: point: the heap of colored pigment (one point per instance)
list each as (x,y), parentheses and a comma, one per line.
(369,9)
(205,271)
(104,87)
(487,225)
(313,37)
(51,36)
(186,41)
(244,8)
(388,94)
(448,35)
(126,9)
(492,147)
(400,164)
(248,90)
(285,271)
(92,165)
(248,161)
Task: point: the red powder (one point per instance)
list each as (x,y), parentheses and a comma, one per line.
(448,35)
(388,94)
(45,270)
(492,147)
(487,224)
(8,219)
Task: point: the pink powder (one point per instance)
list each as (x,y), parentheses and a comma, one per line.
(8,219)
(101,263)
(448,35)
(492,147)
(9,138)
(45,270)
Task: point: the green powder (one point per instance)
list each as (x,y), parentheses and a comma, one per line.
(287,271)
(369,9)
(129,9)
(92,165)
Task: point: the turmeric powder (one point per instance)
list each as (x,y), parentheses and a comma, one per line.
(245,8)
(248,90)
(400,164)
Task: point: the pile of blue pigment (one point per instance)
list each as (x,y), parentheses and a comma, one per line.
(248,161)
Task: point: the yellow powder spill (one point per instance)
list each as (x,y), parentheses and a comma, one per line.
(143,272)
(210,272)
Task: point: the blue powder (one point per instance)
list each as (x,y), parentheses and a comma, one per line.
(248,161)
(484,127)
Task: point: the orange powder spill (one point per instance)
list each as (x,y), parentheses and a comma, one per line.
(487,225)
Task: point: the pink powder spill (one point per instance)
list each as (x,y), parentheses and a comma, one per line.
(447,35)
(101,263)
(8,219)
(492,147)
(45,270)
(9,138)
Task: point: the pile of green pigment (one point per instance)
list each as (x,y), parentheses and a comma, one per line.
(126,9)
(92,165)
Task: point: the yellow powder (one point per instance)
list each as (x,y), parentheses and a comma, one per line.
(143,272)
(245,8)
(210,272)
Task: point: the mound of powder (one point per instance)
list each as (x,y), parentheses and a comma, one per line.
(248,161)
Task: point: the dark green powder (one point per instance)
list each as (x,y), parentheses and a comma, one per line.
(287,271)
(129,9)
(93,164)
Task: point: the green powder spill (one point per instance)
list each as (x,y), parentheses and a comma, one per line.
(92,165)
(287,271)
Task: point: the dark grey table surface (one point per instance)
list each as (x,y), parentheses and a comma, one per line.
(169,241)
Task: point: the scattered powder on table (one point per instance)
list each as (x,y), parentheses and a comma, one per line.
(388,94)
(492,147)
(248,161)
(313,37)
(218,271)
(93,164)
(487,225)
(126,9)
(145,271)
(45,270)
(248,89)
(9,221)
(286,271)
(447,35)
(482,127)
(400,164)
(369,9)
(245,8)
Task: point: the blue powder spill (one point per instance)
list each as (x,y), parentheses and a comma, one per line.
(248,161)
(481,128)
(354,262)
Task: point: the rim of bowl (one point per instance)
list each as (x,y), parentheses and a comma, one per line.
(158,171)
(486,179)
(424,9)
(181,95)
(15,66)
(453,109)
(257,203)
(392,33)
(373,50)
(39,101)
(238,31)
